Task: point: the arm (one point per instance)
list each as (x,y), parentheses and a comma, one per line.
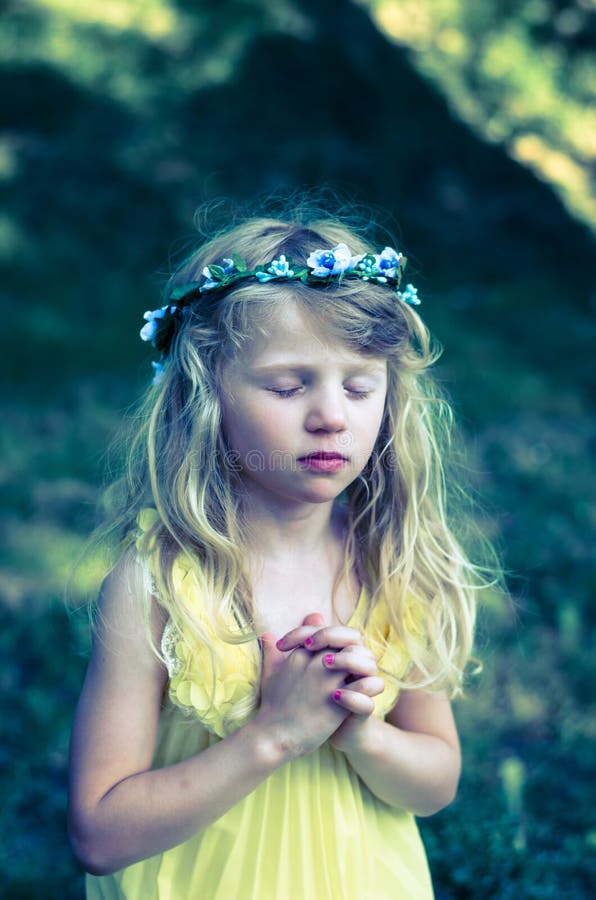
(120,810)
(412,759)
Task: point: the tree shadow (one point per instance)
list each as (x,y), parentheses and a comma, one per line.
(346,107)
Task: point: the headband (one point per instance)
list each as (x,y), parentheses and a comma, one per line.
(322,267)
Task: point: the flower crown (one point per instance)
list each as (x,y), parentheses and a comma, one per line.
(322,267)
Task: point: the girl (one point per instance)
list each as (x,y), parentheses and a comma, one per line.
(266,706)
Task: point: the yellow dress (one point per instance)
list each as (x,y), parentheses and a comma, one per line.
(311,831)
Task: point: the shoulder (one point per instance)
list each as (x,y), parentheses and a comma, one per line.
(125,675)
(127,616)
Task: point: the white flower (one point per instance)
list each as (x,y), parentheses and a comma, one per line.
(209,283)
(389,261)
(329,262)
(152,317)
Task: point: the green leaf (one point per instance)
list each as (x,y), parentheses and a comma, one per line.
(216,272)
(239,262)
(180,291)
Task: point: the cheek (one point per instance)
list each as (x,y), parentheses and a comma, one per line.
(249,429)
(375,421)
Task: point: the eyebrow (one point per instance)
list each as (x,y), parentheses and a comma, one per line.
(372,368)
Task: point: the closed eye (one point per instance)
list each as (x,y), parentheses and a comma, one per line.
(291,392)
(358,395)
(285,392)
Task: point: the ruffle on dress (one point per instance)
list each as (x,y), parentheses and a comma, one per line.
(215,681)
(219,686)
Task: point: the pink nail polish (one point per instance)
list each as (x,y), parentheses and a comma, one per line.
(328,659)
(308,642)
(337,695)
(280,643)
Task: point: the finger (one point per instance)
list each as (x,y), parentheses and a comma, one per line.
(333,636)
(298,637)
(371,686)
(354,659)
(311,623)
(313,638)
(315,619)
(272,658)
(355,702)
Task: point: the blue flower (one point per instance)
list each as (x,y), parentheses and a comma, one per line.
(329,262)
(389,262)
(152,317)
(409,295)
(278,268)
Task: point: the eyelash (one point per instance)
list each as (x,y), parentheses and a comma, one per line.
(285,393)
(290,392)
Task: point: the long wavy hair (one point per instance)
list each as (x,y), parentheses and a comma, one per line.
(400,541)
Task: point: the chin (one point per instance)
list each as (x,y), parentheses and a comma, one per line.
(322,494)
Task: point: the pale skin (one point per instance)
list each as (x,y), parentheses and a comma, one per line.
(319,679)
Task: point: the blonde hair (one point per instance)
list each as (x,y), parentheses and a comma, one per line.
(400,539)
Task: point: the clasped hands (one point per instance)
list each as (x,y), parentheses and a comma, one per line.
(324,679)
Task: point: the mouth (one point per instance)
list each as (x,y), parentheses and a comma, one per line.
(323,456)
(323,463)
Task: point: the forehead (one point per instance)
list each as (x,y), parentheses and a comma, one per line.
(290,334)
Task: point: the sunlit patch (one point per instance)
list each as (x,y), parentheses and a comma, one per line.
(152,18)
(508,80)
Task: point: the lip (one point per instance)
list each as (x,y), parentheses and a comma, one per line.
(323,462)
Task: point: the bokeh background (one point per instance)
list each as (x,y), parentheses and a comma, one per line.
(472,126)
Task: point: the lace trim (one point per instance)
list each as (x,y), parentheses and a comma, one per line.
(169,642)
(149,582)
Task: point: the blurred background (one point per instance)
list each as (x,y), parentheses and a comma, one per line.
(472,128)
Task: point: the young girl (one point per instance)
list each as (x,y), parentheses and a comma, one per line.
(266,707)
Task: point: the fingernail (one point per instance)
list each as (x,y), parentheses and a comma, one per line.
(279,644)
(337,695)
(328,659)
(308,642)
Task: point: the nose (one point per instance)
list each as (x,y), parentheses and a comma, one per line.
(327,411)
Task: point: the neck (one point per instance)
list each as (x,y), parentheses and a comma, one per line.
(296,533)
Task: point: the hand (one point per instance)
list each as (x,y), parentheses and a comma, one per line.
(361,682)
(297,707)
